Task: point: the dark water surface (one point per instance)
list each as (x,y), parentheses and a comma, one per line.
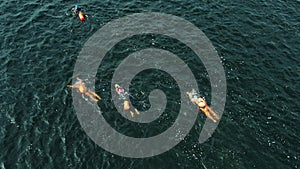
(258,42)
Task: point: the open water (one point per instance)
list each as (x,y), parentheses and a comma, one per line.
(257,41)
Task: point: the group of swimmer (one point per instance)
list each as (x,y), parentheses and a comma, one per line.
(80,86)
(200,102)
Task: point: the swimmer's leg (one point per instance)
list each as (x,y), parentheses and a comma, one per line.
(206,112)
(91,97)
(213,113)
(95,94)
(132,114)
(137,112)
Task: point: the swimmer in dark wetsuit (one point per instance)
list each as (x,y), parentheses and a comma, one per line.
(82,89)
(121,92)
(201,103)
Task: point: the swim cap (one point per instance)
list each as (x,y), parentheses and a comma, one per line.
(121,90)
(81,16)
(76,6)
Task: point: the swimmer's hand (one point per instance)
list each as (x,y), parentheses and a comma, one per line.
(71,86)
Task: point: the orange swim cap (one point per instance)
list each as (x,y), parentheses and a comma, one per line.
(81,16)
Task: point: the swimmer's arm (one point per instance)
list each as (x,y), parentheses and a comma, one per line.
(73,10)
(211,110)
(80,80)
(71,86)
(74,86)
(190,95)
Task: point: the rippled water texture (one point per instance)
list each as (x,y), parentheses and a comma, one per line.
(258,42)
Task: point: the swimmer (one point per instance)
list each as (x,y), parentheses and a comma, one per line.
(82,89)
(121,92)
(201,103)
(77,10)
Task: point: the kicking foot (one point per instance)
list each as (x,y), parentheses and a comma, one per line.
(132,114)
(137,112)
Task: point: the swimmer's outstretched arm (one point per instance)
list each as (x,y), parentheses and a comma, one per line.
(116,88)
(191,97)
(77,84)
(80,80)
(73,86)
